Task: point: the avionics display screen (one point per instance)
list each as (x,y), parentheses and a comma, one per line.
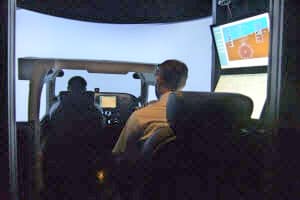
(251,85)
(243,43)
(108,101)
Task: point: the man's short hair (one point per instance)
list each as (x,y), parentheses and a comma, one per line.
(174,73)
(77,83)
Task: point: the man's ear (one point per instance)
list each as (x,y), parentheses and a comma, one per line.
(159,80)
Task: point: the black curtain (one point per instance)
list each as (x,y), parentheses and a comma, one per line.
(122,11)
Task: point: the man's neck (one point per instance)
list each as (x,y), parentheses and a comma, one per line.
(164,90)
(164,93)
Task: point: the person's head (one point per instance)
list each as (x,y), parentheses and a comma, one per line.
(170,75)
(77,84)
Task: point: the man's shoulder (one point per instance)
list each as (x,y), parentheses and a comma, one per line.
(146,107)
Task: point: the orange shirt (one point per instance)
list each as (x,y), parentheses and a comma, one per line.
(143,123)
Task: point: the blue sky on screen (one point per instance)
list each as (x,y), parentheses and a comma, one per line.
(39,35)
(244,29)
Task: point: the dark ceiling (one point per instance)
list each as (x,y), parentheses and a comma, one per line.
(122,11)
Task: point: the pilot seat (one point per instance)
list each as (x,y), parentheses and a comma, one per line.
(73,146)
(199,156)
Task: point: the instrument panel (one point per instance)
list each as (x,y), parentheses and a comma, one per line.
(115,107)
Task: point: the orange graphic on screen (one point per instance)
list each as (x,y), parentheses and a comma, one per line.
(255,45)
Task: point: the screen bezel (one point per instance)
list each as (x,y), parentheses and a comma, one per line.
(232,21)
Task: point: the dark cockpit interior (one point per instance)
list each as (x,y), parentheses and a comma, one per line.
(214,146)
(93,121)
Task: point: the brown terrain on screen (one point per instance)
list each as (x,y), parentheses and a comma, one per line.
(260,49)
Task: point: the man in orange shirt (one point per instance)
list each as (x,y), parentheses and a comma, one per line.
(170,76)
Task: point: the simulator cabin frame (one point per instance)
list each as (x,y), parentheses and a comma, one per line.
(275,129)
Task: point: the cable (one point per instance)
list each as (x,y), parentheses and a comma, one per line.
(227,4)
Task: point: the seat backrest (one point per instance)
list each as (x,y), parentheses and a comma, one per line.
(206,117)
(201,115)
(73,142)
(207,110)
(74,118)
(76,110)
(203,127)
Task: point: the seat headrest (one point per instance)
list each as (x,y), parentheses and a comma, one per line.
(190,110)
(62,95)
